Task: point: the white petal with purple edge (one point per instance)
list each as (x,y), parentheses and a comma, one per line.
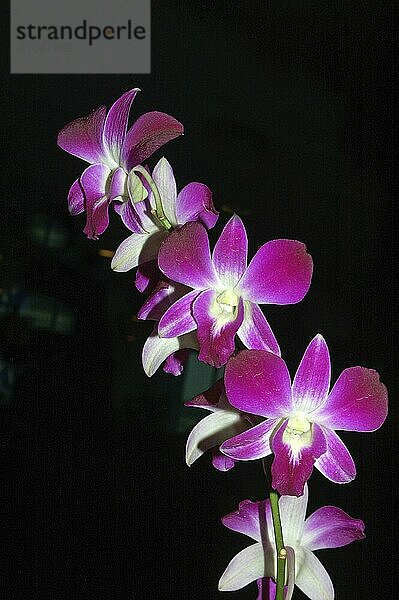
(293,511)
(255,332)
(336,463)
(210,432)
(136,249)
(312,578)
(156,350)
(230,252)
(253,519)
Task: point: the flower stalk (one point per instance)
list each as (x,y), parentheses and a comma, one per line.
(158,212)
(280,549)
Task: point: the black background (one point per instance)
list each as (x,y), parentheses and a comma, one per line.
(287,108)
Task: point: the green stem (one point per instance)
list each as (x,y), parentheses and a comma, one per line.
(158,211)
(280,549)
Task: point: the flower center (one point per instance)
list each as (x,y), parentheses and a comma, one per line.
(298,433)
(228,301)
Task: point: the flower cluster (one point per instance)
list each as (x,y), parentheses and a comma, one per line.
(210,302)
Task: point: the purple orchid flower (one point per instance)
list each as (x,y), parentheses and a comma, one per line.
(102,140)
(193,203)
(302,418)
(226,293)
(174,351)
(327,527)
(223,422)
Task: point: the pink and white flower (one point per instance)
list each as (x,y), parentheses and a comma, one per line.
(327,527)
(193,203)
(223,422)
(301,419)
(225,292)
(102,139)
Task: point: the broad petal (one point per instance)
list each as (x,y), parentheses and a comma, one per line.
(253,519)
(336,463)
(185,257)
(248,565)
(331,527)
(83,137)
(221,462)
(136,249)
(215,333)
(293,511)
(210,432)
(147,276)
(251,444)
(166,184)
(258,382)
(76,198)
(178,319)
(116,124)
(279,273)
(358,402)
(230,252)
(194,203)
(174,364)
(156,350)
(255,332)
(312,578)
(292,468)
(312,379)
(149,133)
(94,183)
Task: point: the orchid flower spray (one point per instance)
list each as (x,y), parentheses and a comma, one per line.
(102,140)
(302,417)
(210,303)
(225,291)
(327,527)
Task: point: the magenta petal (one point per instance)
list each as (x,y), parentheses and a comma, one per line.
(221,462)
(251,519)
(251,444)
(76,198)
(255,332)
(336,463)
(291,469)
(174,364)
(258,382)
(117,186)
(230,252)
(279,273)
(83,137)
(157,303)
(194,203)
(267,589)
(184,256)
(178,319)
(116,124)
(129,216)
(357,402)
(215,334)
(312,379)
(149,133)
(147,275)
(331,527)
(94,181)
